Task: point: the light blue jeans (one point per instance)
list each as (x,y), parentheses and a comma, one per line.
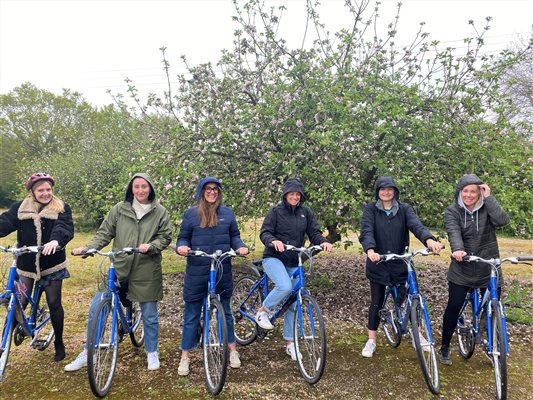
(150,322)
(280,275)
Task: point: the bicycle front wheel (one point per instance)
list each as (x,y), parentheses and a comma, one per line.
(137,327)
(102,349)
(310,340)
(244,303)
(44,331)
(7,335)
(427,356)
(215,347)
(465,330)
(499,355)
(389,321)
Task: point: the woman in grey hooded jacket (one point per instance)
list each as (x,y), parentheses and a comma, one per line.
(471,225)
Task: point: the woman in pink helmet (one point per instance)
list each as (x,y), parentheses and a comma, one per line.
(42,219)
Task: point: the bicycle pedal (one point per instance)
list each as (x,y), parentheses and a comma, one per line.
(38,344)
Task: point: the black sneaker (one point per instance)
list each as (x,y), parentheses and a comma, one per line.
(445,355)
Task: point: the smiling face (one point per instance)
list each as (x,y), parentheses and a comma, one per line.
(470,196)
(211,191)
(43,192)
(293,198)
(386,194)
(141,190)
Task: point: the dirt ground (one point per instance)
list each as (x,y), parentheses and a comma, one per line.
(268,373)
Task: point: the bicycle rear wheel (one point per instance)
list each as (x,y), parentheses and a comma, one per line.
(215,347)
(102,349)
(427,356)
(389,321)
(499,355)
(310,340)
(465,330)
(7,334)
(44,331)
(243,302)
(137,327)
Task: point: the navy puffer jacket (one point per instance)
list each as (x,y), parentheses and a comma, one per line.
(224,236)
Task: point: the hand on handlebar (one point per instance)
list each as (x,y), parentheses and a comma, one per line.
(459,254)
(326,246)
(242,251)
(50,247)
(183,250)
(145,248)
(278,245)
(435,246)
(374,257)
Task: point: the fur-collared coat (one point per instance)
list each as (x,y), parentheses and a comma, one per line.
(35,227)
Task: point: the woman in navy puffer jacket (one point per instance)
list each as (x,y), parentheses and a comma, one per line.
(208,226)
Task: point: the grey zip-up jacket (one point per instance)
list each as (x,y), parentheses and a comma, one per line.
(475,233)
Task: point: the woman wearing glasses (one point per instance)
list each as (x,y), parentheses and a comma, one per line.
(208,226)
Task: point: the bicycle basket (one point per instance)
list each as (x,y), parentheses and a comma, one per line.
(103,274)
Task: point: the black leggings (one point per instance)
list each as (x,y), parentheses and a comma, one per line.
(53,298)
(456,299)
(377,295)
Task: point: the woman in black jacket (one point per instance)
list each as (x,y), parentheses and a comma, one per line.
(42,219)
(385,229)
(286,223)
(471,224)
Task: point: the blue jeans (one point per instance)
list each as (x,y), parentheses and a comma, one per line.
(191,317)
(150,322)
(280,275)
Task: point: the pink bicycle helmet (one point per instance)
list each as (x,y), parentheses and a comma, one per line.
(40,176)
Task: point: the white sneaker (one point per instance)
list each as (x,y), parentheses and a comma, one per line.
(263,321)
(291,351)
(183,368)
(78,363)
(153,360)
(234,360)
(369,349)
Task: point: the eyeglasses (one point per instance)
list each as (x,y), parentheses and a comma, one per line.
(213,189)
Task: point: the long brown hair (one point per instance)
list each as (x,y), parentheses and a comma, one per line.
(208,211)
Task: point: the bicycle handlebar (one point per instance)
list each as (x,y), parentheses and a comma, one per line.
(305,250)
(25,249)
(92,252)
(426,251)
(216,255)
(496,261)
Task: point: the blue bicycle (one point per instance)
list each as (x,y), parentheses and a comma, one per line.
(482,321)
(213,330)
(109,325)
(404,312)
(309,328)
(15,325)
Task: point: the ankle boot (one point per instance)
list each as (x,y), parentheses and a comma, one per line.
(60,351)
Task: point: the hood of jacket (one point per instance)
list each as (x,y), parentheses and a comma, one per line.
(202,183)
(383,182)
(293,185)
(129,190)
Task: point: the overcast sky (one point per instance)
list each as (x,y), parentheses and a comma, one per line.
(92,46)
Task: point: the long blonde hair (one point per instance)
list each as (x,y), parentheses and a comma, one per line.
(208,211)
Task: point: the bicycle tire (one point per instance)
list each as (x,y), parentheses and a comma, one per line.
(427,355)
(4,305)
(243,301)
(137,326)
(215,347)
(310,340)
(389,321)
(102,349)
(466,337)
(499,355)
(43,336)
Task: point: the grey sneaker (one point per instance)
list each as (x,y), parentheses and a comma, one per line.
(78,363)
(183,368)
(369,349)
(234,360)
(445,357)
